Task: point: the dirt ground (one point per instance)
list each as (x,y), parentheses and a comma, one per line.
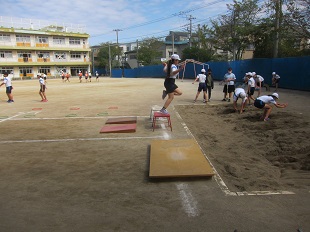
(58,173)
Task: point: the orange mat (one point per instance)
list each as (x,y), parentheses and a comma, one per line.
(178,158)
(122,120)
(122,128)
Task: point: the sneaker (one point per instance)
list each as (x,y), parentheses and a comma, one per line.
(164,94)
(9,101)
(204,101)
(45,100)
(266,119)
(164,111)
(194,101)
(228,100)
(224,99)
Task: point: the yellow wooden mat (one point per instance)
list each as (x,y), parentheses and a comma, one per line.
(178,158)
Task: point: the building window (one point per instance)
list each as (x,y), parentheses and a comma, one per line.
(43,55)
(60,55)
(75,55)
(25,70)
(42,39)
(23,38)
(74,41)
(24,55)
(61,69)
(5,38)
(6,54)
(59,40)
(45,70)
(6,69)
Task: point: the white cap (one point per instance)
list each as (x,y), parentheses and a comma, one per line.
(275,95)
(242,95)
(175,57)
(203,70)
(248,74)
(273,73)
(253,73)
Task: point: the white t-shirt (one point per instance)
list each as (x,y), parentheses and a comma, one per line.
(41,81)
(237,94)
(174,68)
(202,78)
(230,76)
(7,81)
(267,99)
(276,76)
(259,78)
(251,82)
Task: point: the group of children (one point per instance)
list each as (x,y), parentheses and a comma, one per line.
(87,76)
(251,79)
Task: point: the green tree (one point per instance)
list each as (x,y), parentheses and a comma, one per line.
(233,31)
(150,51)
(103,55)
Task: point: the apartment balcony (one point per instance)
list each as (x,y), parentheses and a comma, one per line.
(32,61)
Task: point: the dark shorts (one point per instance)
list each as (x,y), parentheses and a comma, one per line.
(9,89)
(42,88)
(262,84)
(170,85)
(231,88)
(277,80)
(80,77)
(252,90)
(62,77)
(259,104)
(202,86)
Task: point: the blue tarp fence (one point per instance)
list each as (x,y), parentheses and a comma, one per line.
(294,71)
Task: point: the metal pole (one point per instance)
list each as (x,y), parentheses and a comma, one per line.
(110,65)
(278,7)
(172,42)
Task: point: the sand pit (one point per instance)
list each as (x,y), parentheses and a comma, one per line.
(251,155)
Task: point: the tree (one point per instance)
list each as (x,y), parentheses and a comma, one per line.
(149,52)
(103,55)
(293,31)
(233,32)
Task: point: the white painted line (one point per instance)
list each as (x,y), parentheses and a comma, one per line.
(3,120)
(95,117)
(188,201)
(79,139)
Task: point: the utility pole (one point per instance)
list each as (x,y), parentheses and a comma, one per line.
(117,30)
(190,30)
(278,7)
(234,35)
(110,65)
(137,54)
(172,36)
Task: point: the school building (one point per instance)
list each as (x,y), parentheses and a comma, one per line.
(29,47)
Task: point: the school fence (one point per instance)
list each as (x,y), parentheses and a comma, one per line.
(294,71)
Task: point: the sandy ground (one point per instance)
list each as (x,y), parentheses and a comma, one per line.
(58,173)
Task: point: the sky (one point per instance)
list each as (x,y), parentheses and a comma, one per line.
(133,19)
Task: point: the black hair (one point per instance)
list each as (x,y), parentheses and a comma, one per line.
(209,70)
(170,62)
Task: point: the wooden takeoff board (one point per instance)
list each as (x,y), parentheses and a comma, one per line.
(122,128)
(122,120)
(178,158)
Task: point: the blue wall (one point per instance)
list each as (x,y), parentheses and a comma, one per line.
(294,72)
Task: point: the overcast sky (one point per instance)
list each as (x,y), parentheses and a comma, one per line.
(136,19)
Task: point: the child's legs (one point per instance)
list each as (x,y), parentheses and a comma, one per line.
(177,92)
(197,95)
(267,111)
(169,99)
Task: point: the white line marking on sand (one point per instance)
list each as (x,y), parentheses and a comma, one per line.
(188,201)
(16,115)
(79,139)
